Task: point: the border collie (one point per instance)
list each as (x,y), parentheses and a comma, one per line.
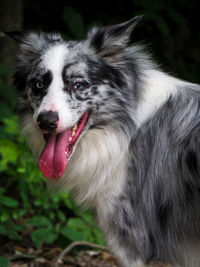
(123,136)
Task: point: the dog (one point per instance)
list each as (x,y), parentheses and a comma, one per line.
(122,135)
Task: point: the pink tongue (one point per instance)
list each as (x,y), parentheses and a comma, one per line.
(53,159)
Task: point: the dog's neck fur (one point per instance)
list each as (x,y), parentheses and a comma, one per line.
(96,165)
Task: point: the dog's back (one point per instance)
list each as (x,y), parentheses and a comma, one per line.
(160,204)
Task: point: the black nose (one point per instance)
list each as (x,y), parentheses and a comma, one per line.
(47,120)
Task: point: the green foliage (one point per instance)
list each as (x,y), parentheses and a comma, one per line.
(44,232)
(82,228)
(26,206)
(4,262)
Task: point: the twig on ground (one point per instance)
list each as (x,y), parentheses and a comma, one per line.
(73,245)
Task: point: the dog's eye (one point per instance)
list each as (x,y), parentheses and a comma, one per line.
(78,85)
(39,85)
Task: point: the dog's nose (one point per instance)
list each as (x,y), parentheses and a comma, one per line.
(48,120)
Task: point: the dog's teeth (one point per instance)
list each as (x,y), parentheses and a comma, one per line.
(73,133)
(75,127)
(70,139)
(65,152)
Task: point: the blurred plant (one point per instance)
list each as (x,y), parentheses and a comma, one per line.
(74,22)
(4,262)
(160,13)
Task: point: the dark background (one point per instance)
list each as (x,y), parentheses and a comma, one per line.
(169,27)
(29,216)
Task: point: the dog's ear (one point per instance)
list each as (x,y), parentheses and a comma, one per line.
(109,40)
(15,35)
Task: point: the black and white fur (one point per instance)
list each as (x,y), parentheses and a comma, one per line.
(137,163)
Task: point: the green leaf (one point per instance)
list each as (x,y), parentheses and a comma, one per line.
(163,27)
(5,110)
(4,69)
(43,235)
(159,21)
(88,217)
(38,236)
(15,214)
(71,234)
(9,202)
(87,227)
(61,216)
(79,225)
(3,262)
(11,125)
(13,234)
(40,221)
(4,216)
(21,170)
(2,191)
(8,95)
(18,227)
(76,223)
(74,22)
(175,16)
(9,152)
(99,237)
(2,229)
(50,237)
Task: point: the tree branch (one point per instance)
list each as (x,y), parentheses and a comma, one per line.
(73,245)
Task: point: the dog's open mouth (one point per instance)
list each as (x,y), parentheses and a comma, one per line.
(57,151)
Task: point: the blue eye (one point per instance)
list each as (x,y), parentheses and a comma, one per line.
(78,85)
(39,85)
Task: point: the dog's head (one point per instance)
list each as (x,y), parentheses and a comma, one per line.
(70,86)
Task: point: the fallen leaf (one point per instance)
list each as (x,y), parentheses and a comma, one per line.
(41,260)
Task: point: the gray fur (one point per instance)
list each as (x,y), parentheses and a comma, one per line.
(162,194)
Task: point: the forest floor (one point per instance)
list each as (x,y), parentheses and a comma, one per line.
(20,256)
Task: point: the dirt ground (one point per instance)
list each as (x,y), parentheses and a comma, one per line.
(24,256)
(29,257)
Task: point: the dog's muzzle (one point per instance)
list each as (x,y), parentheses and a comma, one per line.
(48,120)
